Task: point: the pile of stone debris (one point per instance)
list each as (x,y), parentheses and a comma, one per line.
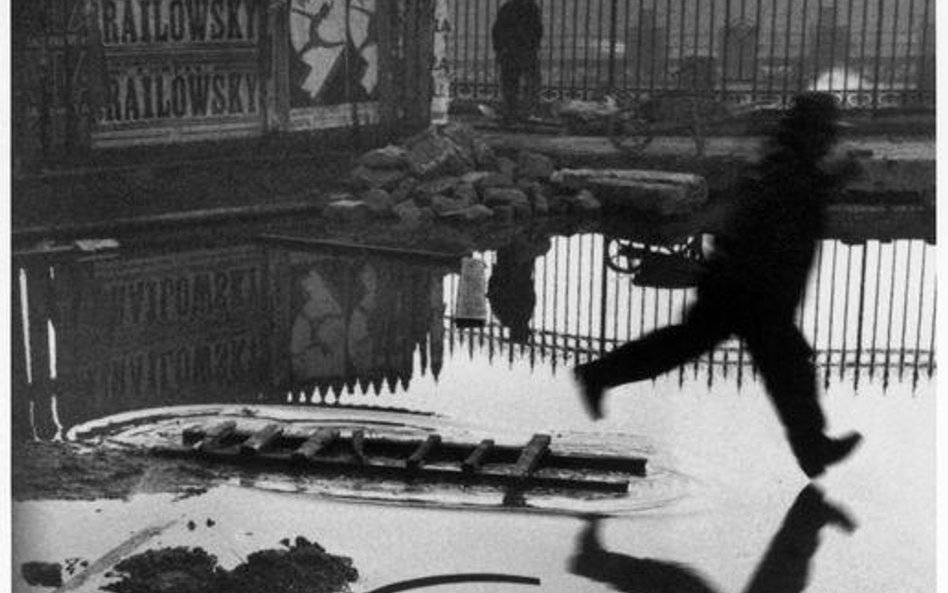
(448,173)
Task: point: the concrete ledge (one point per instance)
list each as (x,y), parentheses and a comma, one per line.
(894,171)
(155,221)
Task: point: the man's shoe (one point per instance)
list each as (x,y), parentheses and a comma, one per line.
(828,452)
(591,391)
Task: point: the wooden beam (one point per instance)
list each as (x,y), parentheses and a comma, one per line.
(358,445)
(532,455)
(319,440)
(474,461)
(192,434)
(215,435)
(261,439)
(417,459)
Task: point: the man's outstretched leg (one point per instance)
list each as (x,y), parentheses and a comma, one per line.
(783,358)
(651,355)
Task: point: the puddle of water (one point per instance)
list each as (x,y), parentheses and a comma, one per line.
(255,326)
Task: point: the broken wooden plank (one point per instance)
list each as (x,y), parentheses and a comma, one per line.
(532,455)
(261,439)
(215,435)
(474,461)
(316,443)
(358,445)
(424,450)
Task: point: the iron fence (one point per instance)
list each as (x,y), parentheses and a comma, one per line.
(874,54)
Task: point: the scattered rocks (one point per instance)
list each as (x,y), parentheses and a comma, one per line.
(445,171)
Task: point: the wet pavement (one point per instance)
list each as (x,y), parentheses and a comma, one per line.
(292,332)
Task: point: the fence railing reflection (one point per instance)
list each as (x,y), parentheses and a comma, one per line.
(869,311)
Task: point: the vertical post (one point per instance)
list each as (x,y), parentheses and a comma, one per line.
(440,76)
(20,366)
(38,305)
(604,291)
(861,314)
(877,70)
(613,40)
(278,102)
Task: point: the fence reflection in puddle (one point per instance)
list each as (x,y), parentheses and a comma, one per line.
(224,324)
(869,312)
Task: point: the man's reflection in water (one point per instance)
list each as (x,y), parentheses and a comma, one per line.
(784,568)
(510,289)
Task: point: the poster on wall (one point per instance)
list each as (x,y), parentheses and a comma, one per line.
(179,70)
(333,61)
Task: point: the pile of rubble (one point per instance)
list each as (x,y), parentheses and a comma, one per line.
(448,173)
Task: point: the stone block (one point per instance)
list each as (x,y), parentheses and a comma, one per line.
(434,187)
(431,156)
(467,193)
(408,212)
(464,137)
(499,196)
(541,206)
(347,211)
(504,214)
(493,180)
(388,179)
(585,202)
(484,155)
(472,214)
(659,193)
(404,189)
(533,165)
(507,167)
(441,205)
(475,176)
(388,157)
(379,202)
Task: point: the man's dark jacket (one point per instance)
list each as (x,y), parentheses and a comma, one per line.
(518,28)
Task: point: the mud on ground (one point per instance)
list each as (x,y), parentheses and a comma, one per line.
(71,471)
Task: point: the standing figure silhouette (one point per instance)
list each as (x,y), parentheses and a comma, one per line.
(753,281)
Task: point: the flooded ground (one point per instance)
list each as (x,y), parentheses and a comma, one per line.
(290,330)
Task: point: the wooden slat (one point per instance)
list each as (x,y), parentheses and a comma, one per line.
(425,449)
(216,434)
(192,434)
(473,461)
(358,445)
(532,455)
(261,439)
(321,439)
